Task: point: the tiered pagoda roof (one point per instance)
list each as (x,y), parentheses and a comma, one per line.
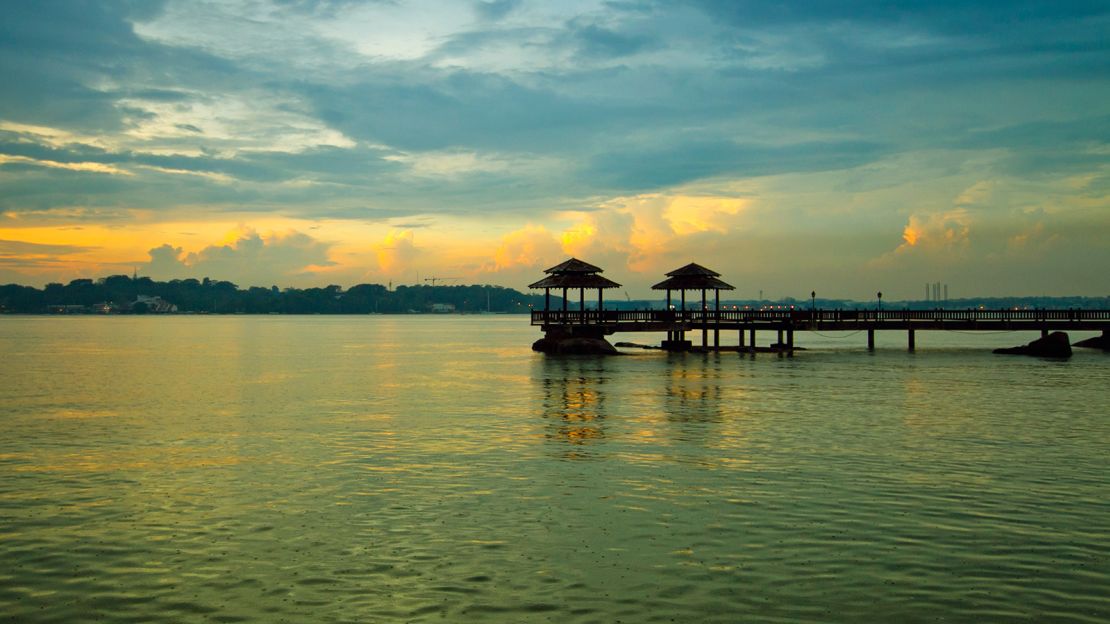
(693,277)
(574,274)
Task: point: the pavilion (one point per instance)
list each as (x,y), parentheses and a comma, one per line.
(694,277)
(570,275)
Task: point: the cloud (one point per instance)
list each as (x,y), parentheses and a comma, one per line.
(21,259)
(531,247)
(494,10)
(396,252)
(599,42)
(587,119)
(939,232)
(248,258)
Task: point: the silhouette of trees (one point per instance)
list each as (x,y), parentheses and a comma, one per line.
(222,297)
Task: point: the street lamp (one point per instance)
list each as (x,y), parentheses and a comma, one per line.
(813,300)
(880,295)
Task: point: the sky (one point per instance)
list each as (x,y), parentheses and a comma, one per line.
(839,147)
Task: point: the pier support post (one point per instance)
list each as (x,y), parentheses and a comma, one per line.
(870,340)
(912,344)
(740,343)
(751,339)
(1044,333)
(790,343)
(704,323)
(717,319)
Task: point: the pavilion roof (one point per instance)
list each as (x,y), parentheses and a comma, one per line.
(692,282)
(575,280)
(693,269)
(574,265)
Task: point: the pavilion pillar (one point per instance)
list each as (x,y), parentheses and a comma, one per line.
(704,322)
(670,315)
(581,299)
(682,332)
(717,318)
(564,305)
(600,302)
(546,303)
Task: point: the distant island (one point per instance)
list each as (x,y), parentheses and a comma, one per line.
(123,294)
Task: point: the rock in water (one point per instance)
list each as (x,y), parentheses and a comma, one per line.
(585,346)
(1098,342)
(574,345)
(1054,345)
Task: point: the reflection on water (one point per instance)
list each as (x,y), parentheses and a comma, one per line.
(319,469)
(694,389)
(574,401)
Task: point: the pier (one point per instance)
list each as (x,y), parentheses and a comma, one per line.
(749,325)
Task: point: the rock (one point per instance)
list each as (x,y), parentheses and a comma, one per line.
(779,348)
(544,345)
(585,346)
(1098,342)
(574,345)
(1054,345)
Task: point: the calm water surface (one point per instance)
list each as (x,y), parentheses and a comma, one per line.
(380,469)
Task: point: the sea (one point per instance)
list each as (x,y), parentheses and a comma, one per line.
(435,469)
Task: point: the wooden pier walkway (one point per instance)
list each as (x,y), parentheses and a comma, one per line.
(564,326)
(786,322)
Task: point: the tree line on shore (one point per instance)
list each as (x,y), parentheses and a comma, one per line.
(222,297)
(122,293)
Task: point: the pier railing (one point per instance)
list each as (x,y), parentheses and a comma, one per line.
(805,317)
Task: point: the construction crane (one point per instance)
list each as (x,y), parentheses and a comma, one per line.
(435,279)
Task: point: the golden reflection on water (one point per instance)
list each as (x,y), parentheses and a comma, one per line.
(131,459)
(693,391)
(697,402)
(574,401)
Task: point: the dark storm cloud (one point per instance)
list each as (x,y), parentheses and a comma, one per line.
(326,8)
(55,55)
(598,42)
(495,9)
(639,170)
(453,109)
(786,71)
(943,15)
